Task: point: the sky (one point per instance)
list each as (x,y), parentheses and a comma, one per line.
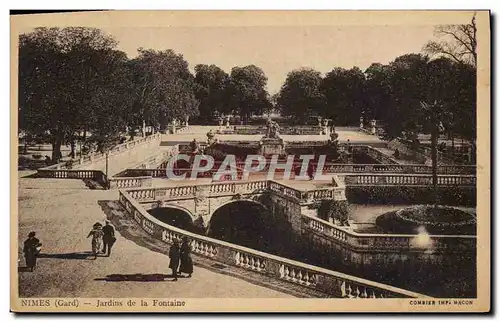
(279,49)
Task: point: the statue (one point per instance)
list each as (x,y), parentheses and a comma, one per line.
(361,122)
(319,121)
(333,136)
(373,127)
(221,123)
(195,146)
(325,126)
(210,137)
(227,121)
(272,129)
(174,126)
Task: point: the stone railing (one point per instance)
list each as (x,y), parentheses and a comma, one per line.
(386,242)
(284,130)
(407,180)
(397,168)
(235,187)
(424,154)
(96,175)
(188,192)
(157,160)
(133,182)
(98,156)
(380,156)
(330,282)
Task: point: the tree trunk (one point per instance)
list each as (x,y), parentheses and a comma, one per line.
(56,147)
(434,140)
(453,147)
(26,141)
(73,148)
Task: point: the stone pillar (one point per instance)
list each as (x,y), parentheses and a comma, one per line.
(373,129)
(227,122)
(325,127)
(221,124)
(174,126)
(187,121)
(143,128)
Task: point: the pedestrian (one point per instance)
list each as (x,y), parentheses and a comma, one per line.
(31,249)
(96,234)
(108,238)
(186,260)
(310,171)
(174,255)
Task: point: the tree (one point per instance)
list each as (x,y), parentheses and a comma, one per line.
(301,94)
(394,92)
(60,71)
(163,88)
(344,91)
(378,92)
(459,44)
(211,91)
(247,91)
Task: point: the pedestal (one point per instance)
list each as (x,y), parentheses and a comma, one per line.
(270,146)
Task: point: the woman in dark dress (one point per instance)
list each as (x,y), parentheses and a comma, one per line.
(186,260)
(174,255)
(31,249)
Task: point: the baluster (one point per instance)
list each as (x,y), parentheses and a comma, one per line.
(348,290)
(282,271)
(305,278)
(299,276)
(287,273)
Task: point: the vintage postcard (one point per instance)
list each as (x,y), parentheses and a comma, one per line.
(250,161)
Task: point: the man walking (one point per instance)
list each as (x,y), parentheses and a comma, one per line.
(108,239)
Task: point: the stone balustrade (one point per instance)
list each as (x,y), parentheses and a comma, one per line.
(407,180)
(133,182)
(373,243)
(380,156)
(96,175)
(236,187)
(98,156)
(330,282)
(397,168)
(284,129)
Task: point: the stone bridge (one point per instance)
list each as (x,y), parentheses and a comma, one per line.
(205,199)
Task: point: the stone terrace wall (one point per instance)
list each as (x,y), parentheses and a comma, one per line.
(334,283)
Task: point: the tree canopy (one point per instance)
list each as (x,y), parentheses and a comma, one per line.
(68,81)
(75,80)
(301,94)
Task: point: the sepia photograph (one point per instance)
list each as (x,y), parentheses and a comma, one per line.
(250,161)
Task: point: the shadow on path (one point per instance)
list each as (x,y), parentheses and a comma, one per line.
(75,255)
(135,278)
(23,269)
(129,229)
(93,185)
